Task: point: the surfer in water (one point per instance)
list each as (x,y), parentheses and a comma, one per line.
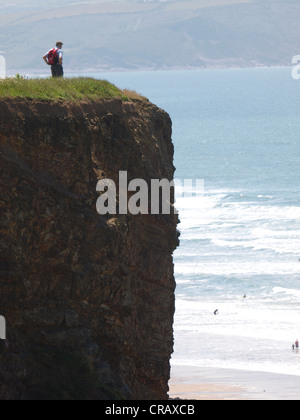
(216,312)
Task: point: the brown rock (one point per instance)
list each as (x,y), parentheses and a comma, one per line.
(88,299)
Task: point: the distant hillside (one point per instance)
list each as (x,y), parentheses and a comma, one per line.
(128,34)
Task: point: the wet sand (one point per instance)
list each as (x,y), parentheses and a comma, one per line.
(195,383)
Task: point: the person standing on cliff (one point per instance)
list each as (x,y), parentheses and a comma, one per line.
(54,58)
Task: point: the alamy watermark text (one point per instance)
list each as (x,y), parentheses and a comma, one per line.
(2,328)
(2,66)
(141,197)
(296,68)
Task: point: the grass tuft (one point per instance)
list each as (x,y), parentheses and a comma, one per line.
(73,89)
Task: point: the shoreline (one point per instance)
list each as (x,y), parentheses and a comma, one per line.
(205,383)
(42,72)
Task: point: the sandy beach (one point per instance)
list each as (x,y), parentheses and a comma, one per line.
(195,383)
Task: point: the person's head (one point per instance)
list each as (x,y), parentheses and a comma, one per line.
(59,44)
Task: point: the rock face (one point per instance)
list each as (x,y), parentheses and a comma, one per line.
(88,299)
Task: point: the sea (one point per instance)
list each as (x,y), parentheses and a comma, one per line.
(238,130)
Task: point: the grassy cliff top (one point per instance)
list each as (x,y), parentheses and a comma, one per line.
(61,89)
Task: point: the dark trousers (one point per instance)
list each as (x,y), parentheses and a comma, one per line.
(57,70)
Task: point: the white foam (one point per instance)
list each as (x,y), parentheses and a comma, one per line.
(286,291)
(240,224)
(225,267)
(247,334)
(231,246)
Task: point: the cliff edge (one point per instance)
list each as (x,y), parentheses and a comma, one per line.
(88,299)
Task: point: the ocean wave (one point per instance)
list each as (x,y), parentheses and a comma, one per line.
(222,267)
(290,292)
(255,225)
(280,246)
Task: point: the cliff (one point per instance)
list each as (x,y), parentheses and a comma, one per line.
(88,299)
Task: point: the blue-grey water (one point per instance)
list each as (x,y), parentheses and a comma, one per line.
(239,130)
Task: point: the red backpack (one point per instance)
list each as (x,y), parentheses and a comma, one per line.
(53,57)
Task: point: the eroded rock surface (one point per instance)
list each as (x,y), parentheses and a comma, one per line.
(88,299)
